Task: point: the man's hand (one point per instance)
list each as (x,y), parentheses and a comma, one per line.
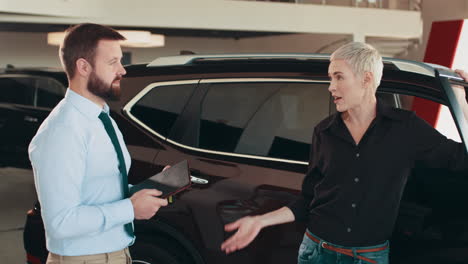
(146,204)
(247,229)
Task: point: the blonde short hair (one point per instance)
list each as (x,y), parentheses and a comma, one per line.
(362,58)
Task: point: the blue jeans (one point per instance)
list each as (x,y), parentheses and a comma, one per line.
(311,252)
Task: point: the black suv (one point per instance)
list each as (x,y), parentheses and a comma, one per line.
(244,122)
(27,95)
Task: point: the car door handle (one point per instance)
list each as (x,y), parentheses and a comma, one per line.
(30,119)
(197,180)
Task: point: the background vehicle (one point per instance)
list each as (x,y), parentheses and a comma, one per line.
(244,122)
(27,95)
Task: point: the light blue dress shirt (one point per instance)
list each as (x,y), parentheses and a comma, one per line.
(78,180)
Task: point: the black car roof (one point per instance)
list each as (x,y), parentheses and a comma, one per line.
(55,73)
(390,63)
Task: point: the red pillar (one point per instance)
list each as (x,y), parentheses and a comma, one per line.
(441,49)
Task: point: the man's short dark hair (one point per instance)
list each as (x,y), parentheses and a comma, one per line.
(81,42)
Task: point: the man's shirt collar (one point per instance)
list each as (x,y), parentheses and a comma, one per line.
(84,105)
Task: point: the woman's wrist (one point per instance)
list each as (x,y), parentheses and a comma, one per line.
(262,220)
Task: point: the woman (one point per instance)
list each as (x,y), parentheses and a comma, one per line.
(360,160)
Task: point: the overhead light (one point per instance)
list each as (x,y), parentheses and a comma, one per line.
(135,39)
(55,38)
(141,39)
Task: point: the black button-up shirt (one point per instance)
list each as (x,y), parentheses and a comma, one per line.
(351,193)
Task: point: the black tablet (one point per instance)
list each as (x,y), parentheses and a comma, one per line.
(169,182)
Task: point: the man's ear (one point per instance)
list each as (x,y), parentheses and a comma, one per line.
(83,68)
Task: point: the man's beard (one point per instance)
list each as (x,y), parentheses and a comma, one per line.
(106,91)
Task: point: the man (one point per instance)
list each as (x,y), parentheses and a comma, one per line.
(80,160)
(360,160)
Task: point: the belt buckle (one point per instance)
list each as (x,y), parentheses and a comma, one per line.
(324,244)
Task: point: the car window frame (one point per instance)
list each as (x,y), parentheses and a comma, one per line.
(129,105)
(35,92)
(395,87)
(454,107)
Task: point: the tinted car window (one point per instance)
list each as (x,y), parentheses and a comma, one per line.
(49,92)
(271,119)
(159,108)
(17,90)
(445,123)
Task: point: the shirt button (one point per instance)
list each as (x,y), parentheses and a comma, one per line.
(357,155)
(348,230)
(356,179)
(353,205)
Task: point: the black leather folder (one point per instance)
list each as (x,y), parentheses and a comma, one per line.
(169,182)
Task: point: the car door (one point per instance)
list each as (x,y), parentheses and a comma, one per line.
(432,223)
(247,142)
(16,103)
(25,102)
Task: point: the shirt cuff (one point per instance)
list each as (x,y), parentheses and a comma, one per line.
(129,209)
(117,213)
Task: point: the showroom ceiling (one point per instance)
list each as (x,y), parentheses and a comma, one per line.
(212,33)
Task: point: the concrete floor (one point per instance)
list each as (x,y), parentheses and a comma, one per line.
(17,196)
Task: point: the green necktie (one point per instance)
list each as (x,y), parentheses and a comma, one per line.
(122,168)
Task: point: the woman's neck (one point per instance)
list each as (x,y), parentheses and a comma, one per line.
(362,114)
